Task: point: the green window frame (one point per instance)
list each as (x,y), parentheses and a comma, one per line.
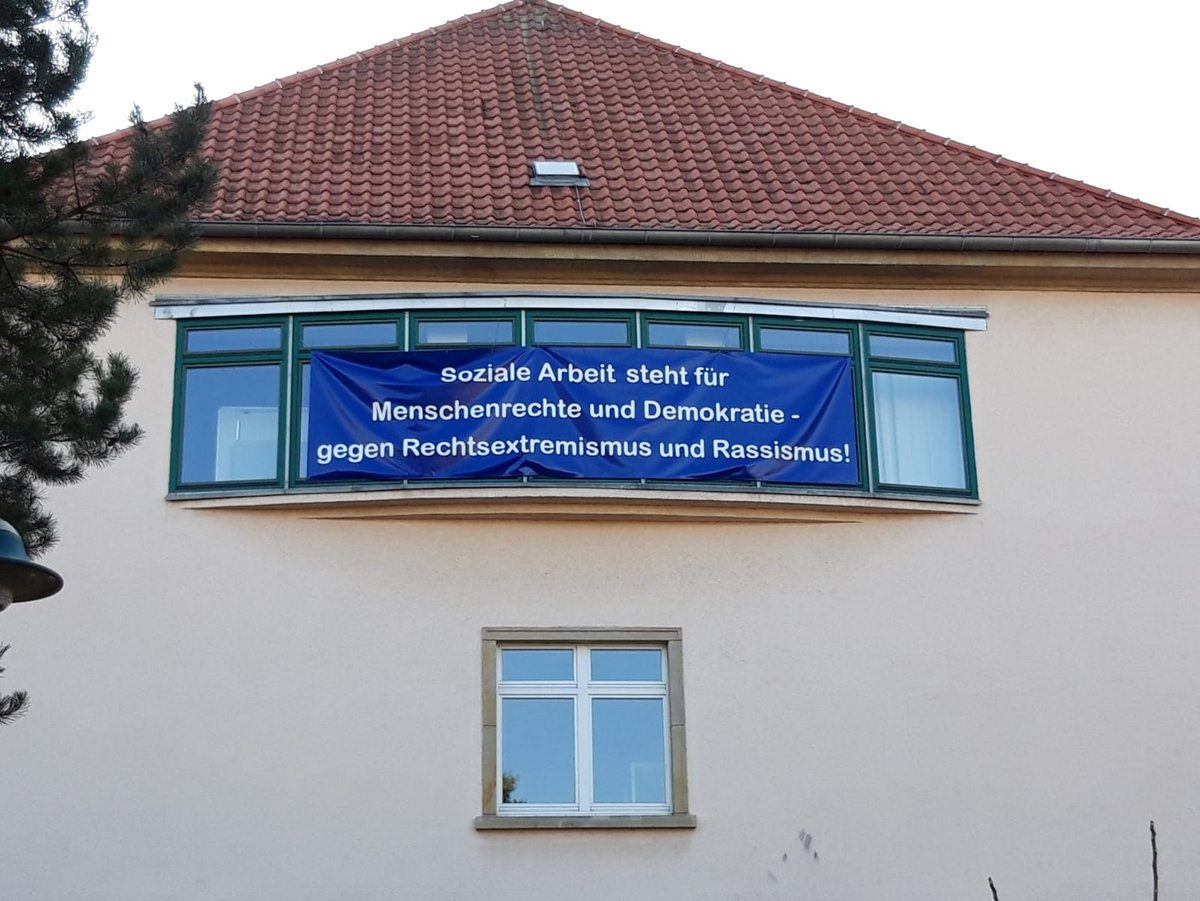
(398,325)
(196,441)
(623,324)
(828,339)
(919,396)
(676,325)
(468,324)
(912,399)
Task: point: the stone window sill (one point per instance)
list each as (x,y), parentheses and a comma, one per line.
(662,821)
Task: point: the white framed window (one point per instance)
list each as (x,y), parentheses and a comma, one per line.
(583,727)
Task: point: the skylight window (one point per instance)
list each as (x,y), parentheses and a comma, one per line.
(556,172)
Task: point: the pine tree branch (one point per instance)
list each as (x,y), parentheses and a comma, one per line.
(76,238)
(12,706)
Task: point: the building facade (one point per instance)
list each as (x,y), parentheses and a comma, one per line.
(916,613)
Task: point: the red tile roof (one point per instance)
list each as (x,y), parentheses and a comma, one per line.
(439,129)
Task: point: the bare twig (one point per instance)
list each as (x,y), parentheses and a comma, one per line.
(1154,857)
(992,886)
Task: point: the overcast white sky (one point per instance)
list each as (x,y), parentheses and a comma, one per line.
(1100,91)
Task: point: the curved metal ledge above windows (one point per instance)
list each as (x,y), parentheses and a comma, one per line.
(188,307)
(643,403)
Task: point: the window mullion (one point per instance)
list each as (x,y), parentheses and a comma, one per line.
(583,731)
(666,745)
(865,409)
(537,690)
(288,449)
(628,689)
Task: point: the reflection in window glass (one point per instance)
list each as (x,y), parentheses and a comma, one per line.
(804,341)
(628,751)
(464,331)
(305,378)
(209,340)
(900,348)
(687,334)
(620,665)
(538,750)
(918,427)
(350,334)
(230,424)
(581,331)
(537,665)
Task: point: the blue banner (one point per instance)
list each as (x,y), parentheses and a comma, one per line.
(588,413)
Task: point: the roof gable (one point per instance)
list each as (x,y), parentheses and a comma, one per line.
(439,129)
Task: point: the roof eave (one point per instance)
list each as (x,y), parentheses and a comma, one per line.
(702,238)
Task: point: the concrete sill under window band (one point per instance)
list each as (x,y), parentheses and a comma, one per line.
(562,503)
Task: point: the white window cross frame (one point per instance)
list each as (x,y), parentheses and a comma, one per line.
(583,691)
(670,812)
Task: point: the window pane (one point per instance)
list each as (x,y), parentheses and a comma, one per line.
(464,331)
(919,430)
(549,665)
(628,751)
(217,339)
(931,349)
(349,334)
(580,331)
(803,341)
(684,334)
(230,424)
(627,666)
(538,751)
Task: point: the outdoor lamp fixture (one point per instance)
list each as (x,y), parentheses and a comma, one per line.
(20,578)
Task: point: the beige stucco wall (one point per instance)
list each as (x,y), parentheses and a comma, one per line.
(249,704)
